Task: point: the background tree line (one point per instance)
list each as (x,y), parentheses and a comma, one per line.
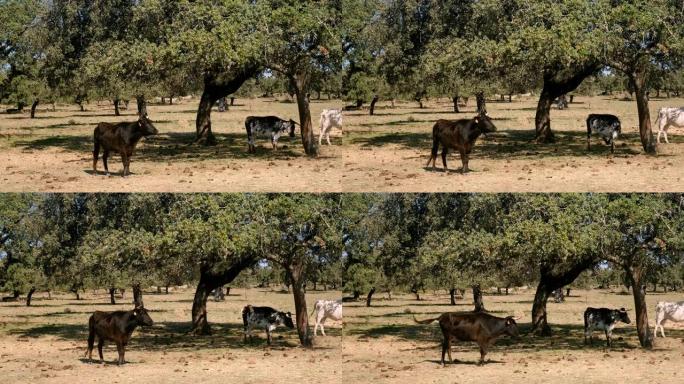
(359,50)
(360,243)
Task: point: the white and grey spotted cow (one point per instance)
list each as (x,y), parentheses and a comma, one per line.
(326,309)
(603,319)
(265,318)
(268,126)
(606,126)
(669,117)
(330,118)
(672,311)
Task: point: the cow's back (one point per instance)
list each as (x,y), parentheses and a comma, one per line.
(461,326)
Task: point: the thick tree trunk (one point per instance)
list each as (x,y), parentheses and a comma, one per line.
(167,289)
(477,298)
(300,83)
(232,101)
(372,104)
(481,103)
(567,292)
(370,297)
(301,313)
(112,300)
(138,296)
(227,291)
(542,119)
(117,112)
(356,295)
(207,283)
(452,296)
(142,105)
(635,277)
(455,101)
(29,295)
(214,89)
(556,84)
(33,108)
(203,123)
(549,281)
(646,134)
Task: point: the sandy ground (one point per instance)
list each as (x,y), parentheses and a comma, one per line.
(46,344)
(383,153)
(383,344)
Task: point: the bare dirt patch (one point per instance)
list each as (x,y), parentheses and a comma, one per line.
(46,343)
(383,344)
(383,153)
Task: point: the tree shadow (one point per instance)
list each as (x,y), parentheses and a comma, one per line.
(510,144)
(565,337)
(172,336)
(71,143)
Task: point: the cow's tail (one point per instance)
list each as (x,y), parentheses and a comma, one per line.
(435,145)
(96,150)
(426,321)
(91,335)
(657,121)
(315,308)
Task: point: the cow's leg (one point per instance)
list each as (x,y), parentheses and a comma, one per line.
(612,146)
(120,349)
(660,131)
(483,353)
(659,321)
(608,338)
(445,348)
(327,137)
(124,160)
(96,154)
(445,152)
(464,160)
(665,134)
(268,335)
(105,157)
(91,342)
(588,334)
(100,344)
(322,322)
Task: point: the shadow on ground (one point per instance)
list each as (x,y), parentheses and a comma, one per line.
(174,336)
(565,337)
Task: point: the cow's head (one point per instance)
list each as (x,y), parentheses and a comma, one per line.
(292,124)
(142,317)
(485,123)
(285,318)
(511,327)
(146,127)
(623,316)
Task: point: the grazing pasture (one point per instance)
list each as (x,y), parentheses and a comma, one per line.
(384,344)
(386,152)
(45,343)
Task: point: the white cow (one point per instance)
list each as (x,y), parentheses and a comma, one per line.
(330,118)
(667,311)
(326,309)
(669,117)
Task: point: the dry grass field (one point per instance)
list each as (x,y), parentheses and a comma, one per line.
(384,344)
(384,153)
(45,343)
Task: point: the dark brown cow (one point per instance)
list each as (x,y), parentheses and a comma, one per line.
(479,327)
(115,326)
(121,138)
(460,135)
